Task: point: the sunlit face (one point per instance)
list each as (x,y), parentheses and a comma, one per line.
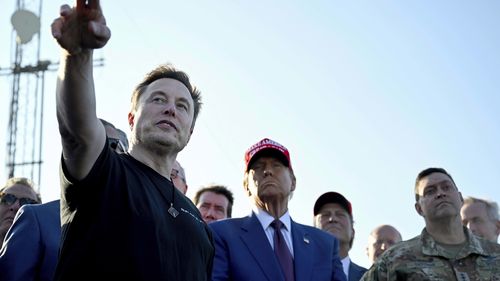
(439,198)
(212,206)
(164,116)
(7,213)
(269,180)
(333,218)
(380,240)
(476,218)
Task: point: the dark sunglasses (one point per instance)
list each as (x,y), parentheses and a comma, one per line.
(116,145)
(9,199)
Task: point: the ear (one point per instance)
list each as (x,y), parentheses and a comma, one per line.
(418,208)
(294,180)
(315,221)
(190,134)
(131,120)
(245,184)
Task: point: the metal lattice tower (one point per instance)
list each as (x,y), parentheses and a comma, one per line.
(25,126)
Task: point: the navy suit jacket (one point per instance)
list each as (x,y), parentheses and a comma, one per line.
(31,245)
(355,272)
(243,252)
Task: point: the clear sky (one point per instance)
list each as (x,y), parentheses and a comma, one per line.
(365,94)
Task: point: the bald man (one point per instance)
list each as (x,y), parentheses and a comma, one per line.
(381,239)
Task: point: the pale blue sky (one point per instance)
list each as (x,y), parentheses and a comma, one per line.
(365,94)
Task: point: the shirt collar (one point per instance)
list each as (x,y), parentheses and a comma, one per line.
(345,265)
(266,219)
(431,248)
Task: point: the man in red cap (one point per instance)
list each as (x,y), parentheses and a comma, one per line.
(333,214)
(268,244)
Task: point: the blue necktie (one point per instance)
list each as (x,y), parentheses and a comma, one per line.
(282,252)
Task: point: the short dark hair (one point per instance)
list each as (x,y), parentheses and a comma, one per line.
(167,71)
(217,189)
(427,172)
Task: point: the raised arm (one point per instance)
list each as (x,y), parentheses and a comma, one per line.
(78,31)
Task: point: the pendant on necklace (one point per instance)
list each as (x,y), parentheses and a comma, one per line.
(172,211)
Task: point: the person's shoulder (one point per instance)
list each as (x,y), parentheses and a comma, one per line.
(305,227)
(320,236)
(357,267)
(490,248)
(52,206)
(311,230)
(228,223)
(48,205)
(403,248)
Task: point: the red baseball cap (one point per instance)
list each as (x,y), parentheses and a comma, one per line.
(267,147)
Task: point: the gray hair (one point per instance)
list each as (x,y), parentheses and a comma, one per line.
(491,206)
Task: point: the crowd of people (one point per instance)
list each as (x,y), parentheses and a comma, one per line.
(123,213)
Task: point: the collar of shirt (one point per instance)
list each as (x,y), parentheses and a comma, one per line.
(266,219)
(345,266)
(431,248)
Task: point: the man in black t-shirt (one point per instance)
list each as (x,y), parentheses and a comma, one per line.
(122,218)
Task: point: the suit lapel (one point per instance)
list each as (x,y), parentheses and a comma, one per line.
(303,255)
(255,239)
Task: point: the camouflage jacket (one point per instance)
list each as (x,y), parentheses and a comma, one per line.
(422,259)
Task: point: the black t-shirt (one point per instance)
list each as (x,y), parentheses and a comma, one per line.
(116,226)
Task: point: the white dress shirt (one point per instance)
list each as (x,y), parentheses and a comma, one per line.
(345,266)
(266,219)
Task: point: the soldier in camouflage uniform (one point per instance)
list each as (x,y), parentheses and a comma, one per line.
(445,250)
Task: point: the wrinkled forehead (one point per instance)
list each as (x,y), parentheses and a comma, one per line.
(433,179)
(474,208)
(386,234)
(214,198)
(332,207)
(169,87)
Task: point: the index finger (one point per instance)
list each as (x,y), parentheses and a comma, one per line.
(87,4)
(81,5)
(93,4)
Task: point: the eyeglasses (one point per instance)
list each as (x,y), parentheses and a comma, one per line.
(116,144)
(174,173)
(9,199)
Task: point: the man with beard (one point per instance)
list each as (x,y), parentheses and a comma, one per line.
(121,216)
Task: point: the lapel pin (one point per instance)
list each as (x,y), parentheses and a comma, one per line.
(306,240)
